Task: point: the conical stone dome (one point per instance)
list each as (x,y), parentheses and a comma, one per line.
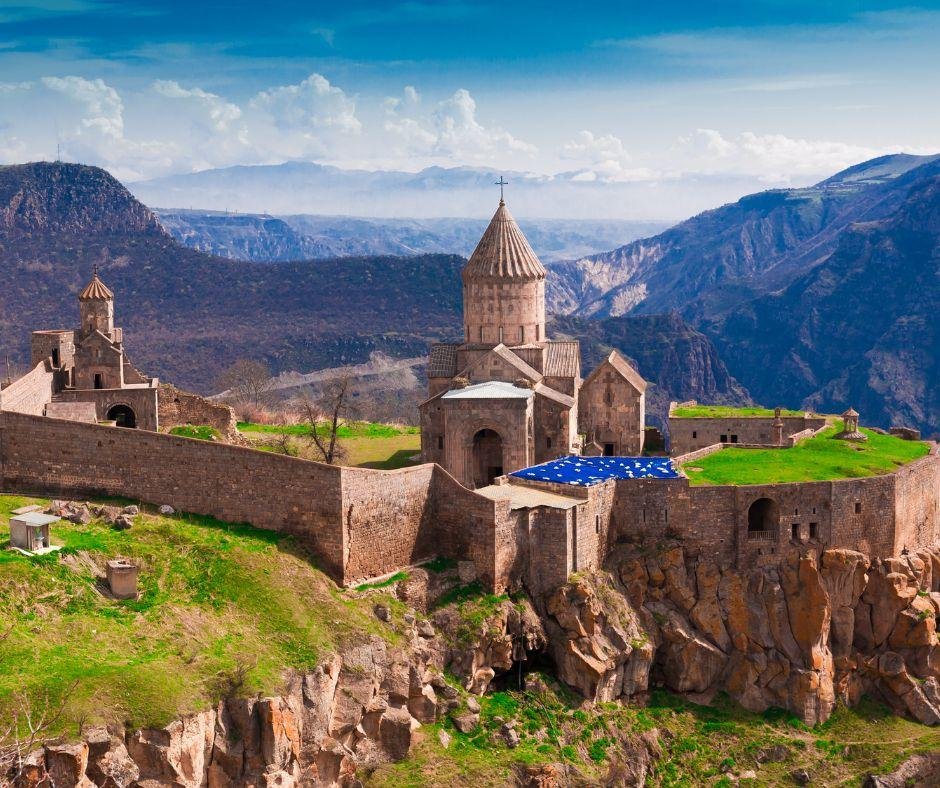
(503,287)
(95,290)
(503,252)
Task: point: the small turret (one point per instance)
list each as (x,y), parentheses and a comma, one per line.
(778,427)
(96,305)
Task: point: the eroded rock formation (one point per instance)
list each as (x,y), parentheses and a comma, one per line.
(798,635)
(356,709)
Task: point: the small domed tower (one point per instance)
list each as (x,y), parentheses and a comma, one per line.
(503,287)
(96,305)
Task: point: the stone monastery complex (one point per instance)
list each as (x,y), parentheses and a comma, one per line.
(529,471)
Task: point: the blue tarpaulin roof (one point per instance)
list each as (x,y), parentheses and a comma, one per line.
(585,471)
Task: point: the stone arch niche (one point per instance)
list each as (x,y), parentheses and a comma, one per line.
(487,457)
(762,520)
(122,415)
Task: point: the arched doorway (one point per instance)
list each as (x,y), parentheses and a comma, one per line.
(123,416)
(487,457)
(762,519)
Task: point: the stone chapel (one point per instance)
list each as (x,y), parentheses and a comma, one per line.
(507,397)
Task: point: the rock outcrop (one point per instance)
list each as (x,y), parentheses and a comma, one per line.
(800,634)
(477,652)
(356,709)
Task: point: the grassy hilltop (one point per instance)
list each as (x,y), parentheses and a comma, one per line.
(819,458)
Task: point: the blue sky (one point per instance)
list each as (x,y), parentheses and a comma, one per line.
(776,91)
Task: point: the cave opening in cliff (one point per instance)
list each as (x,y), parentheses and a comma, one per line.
(525,662)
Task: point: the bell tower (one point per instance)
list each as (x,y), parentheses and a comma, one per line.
(96,305)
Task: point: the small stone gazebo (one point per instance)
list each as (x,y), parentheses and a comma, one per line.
(850,431)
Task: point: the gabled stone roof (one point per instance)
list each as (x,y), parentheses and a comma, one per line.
(556,396)
(503,252)
(562,360)
(442,362)
(503,352)
(95,290)
(622,368)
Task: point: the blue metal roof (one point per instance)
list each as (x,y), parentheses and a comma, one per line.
(585,471)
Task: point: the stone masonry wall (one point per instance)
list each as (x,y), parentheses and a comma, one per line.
(143,401)
(917,497)
(388,519)
(30,393)
(227,482)
(611,411)
(179,408)
(686,435)
(358,522)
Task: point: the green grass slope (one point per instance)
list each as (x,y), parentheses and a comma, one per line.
(819,458)
(213,597)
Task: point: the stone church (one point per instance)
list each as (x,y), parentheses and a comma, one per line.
(93,379)
(507,397)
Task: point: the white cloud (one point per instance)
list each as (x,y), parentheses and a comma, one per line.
(775,158)
(103,107)
(312,104)
(221,113)
(15,87)
(451,131)
(605,158)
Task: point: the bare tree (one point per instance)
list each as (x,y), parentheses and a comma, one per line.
(27,728)
(248,382)
(326,415)
(284,444)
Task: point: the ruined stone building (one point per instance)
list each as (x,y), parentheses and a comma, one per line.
(84,374)
(507,397)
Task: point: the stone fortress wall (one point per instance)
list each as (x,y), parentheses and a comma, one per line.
(358,522)
(691,434)
(362,523)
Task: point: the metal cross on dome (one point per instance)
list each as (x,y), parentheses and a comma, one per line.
(501,182)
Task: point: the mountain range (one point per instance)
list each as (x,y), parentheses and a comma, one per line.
(301,187)
(188,314)
(266,238)
(818,297)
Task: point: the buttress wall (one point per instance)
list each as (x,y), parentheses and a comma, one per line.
(32,392)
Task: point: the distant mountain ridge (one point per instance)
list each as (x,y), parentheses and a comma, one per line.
(301,187)
(188,315)
(819,297)
(266,238)
(714,260)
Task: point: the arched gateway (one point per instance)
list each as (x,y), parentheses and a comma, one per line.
(123,416)
(762,520)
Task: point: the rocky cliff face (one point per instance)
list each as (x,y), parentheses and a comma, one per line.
(798,636)
(357,709)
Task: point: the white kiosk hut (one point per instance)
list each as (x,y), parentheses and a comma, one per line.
(30,532)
